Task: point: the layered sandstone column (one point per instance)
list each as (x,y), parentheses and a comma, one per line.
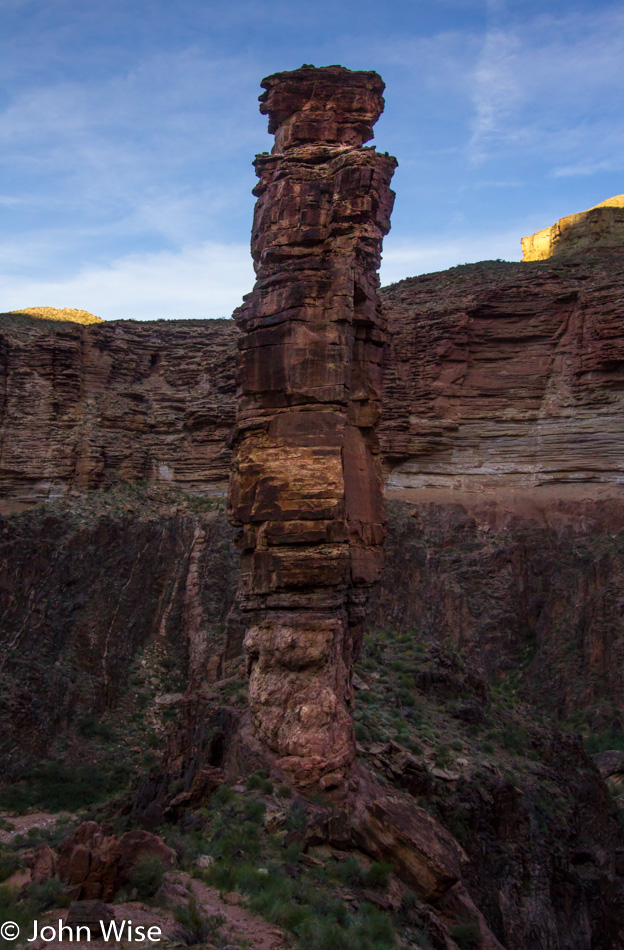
(306,483)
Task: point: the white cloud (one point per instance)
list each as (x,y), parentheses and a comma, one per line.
(408,259)
(201,281)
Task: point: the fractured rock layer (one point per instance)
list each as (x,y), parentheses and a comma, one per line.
(306,483)
(87,406)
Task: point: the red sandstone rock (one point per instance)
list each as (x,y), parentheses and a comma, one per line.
(96,864)
(83,406)
(497,377)
(391,827)
(508,379)
(306,482)
(42,864)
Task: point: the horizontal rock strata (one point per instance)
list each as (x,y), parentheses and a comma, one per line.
(85,406)
(506,379)
(306,484)
(498,378)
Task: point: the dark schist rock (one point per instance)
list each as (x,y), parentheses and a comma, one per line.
(610,763)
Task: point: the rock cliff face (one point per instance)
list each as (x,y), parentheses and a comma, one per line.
(497,378)
(306,485)
(86,406)
(506,379)
(101,593)
(502,404)
(599,230)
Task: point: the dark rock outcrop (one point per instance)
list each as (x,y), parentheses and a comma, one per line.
(94,863)
(97,590)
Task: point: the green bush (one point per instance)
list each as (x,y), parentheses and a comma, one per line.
(255,810)
(258,782)
(55,786)
(90,727)
(603,741)
(378,875)
(348,872)
(146,876)
(197,928)
(466,936)
(8,866)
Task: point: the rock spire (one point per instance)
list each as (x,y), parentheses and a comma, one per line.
(306,486)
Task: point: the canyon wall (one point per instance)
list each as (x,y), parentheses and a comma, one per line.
(506,379)
(500,436)
(501,600)
(86,406)
(498,378)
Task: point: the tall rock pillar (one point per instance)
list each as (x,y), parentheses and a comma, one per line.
(306,485)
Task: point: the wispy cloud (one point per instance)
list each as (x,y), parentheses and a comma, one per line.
(552,86)
(496,90)
(410,258)
(584,169)
(201,281)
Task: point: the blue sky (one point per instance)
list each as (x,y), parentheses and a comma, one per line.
(127,131)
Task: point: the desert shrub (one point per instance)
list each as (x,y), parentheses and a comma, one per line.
(348,872)
(90,727)
(23,908)
(41,897)
(254,810)
(222,796)
(362,734)
(146,876)
(373,930)
(368,930)
(187,845)
(466,936)
(197,928)
(8,866)
(258,782)
(603,741)
(513,737)
(55,786)
(378,875)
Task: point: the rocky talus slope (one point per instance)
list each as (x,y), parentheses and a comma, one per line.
(306,486)
(115,606)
